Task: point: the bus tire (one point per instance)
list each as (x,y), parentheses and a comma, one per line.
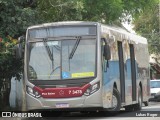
(146,103)
(116,98)
(129,108)
(139,105)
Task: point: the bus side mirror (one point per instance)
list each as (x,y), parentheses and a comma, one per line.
(107,52)
(19,48)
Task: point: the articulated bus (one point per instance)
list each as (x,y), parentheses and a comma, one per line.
(77,65)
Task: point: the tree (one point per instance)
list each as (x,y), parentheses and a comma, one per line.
(15,17)
(60,10)
(9,66)
(148,25)
(86,10)
(104,11)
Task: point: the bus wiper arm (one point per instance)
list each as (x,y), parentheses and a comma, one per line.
(74,47)
(48,49)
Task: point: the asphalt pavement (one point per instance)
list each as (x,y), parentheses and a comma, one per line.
(151,112)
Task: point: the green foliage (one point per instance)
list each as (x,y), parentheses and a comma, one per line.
(104,11)
(9,65)
(60,10)
(86,10)
(136,7)
(148,25)
(15,17)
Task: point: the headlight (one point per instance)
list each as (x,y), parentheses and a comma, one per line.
(32,92)
(92,89)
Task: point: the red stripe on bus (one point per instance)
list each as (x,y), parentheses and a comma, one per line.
(61,92)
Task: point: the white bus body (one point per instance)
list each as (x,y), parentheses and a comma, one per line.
(65,67)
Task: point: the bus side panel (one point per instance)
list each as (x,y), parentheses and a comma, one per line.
(110,76)
(142,58)
(128,73)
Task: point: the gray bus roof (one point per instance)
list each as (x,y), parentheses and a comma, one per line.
(64,23)
(104,28)
(122,32)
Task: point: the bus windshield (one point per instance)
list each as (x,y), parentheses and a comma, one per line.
(62,59)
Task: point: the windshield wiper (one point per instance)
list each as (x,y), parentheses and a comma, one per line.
(75,47)
(50,54)
(48,49)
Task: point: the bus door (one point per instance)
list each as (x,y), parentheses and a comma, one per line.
(133,72)
(121,71)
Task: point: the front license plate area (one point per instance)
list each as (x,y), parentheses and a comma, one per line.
(62,105)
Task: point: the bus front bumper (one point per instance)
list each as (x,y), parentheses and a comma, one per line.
(92,101)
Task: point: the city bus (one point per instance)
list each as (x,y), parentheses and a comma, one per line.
(79,65)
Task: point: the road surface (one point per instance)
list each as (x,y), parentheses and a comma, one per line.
(151,112)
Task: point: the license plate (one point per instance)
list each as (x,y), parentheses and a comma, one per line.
(62,105)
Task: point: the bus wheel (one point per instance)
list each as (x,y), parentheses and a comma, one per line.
(129,108)
(139,105)
(116,101)
(146,103)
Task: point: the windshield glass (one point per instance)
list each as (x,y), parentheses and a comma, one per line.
(155,84)
(50,60)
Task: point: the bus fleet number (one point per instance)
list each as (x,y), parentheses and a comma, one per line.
(73,92)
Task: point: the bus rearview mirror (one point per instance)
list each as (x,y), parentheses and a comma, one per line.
(107,53)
